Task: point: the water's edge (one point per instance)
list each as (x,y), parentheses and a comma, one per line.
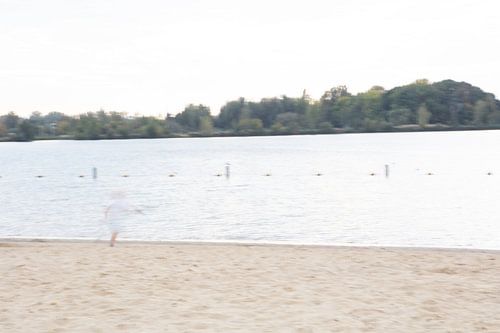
(244,243)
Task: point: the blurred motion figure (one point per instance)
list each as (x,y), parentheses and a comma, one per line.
(117,214)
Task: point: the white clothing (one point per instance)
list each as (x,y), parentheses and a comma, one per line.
(117,214)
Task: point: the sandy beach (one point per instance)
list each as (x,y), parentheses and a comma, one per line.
(141,287)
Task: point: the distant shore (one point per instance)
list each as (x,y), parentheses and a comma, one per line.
(155,287)
(399,129)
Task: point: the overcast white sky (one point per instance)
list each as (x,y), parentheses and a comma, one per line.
(156,56)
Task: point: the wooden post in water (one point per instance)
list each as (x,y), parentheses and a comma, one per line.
(387,171)
(94,172)
(228,171)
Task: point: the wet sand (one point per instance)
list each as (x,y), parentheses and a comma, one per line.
(170,287)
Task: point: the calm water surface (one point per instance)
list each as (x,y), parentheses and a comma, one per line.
(456,206)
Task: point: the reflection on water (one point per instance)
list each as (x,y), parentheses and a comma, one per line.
(300,189)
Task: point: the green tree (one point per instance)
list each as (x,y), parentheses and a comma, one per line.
(249,125)
(312,116)
(278,128)
(62,127)
(153,130)
(266,110)
(206,125)
(371,108)
(481,111)
(288,119)
(171,126)
(494,114)
(88,127)
(230,114)
(11,120)
(36,119)
(423,116)
(325,126)
(26,131)
(3,130)
(335,93)
(191,117)
(400,116)
(335,107)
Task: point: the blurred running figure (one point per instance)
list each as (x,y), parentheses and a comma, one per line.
(117,213)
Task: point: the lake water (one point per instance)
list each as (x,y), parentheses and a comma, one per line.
(456,206)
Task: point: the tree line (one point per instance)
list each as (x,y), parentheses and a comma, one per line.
(420,105)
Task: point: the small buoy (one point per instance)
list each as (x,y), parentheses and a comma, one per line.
(171,175)
(218,175)
(267,175)
(489,174)
(319,174)
(125,176)
(39,176)
(81,176)
(372,174)
(429,173)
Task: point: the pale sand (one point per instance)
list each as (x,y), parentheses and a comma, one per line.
(89,287)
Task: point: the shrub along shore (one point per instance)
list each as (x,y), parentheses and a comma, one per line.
(419,106)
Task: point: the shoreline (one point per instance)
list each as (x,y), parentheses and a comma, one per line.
(243,243)
(416,129)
